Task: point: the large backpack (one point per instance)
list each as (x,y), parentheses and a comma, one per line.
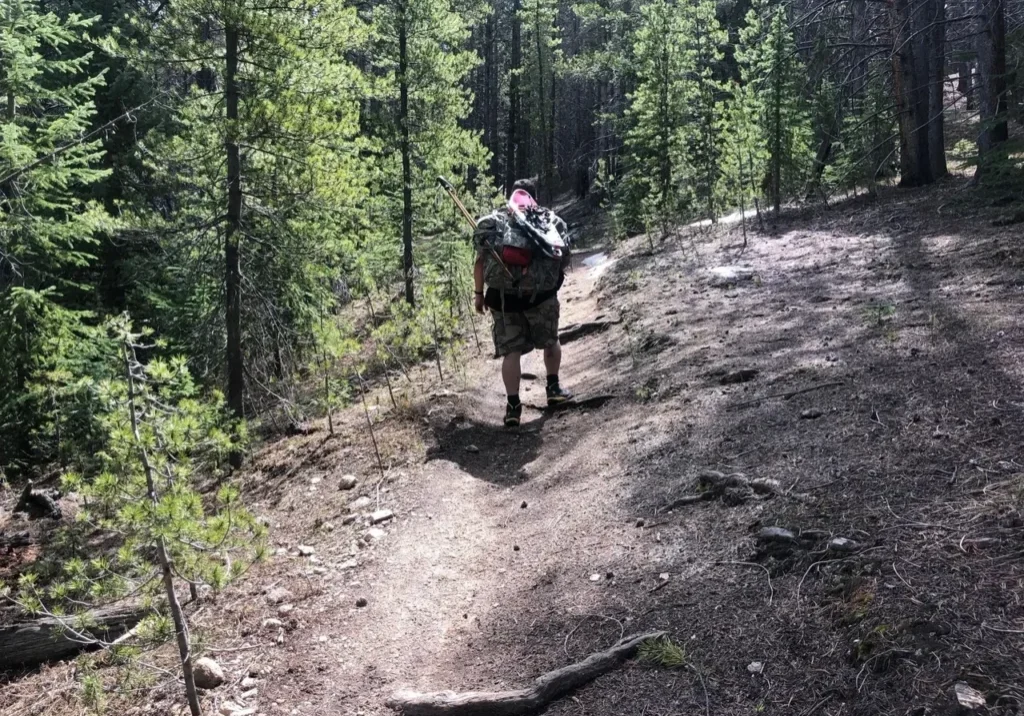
(517,258)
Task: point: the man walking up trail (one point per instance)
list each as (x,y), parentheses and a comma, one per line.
(522,296)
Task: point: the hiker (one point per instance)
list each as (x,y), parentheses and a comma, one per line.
(523,276)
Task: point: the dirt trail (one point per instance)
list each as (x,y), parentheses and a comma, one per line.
(514,552)
(467,576)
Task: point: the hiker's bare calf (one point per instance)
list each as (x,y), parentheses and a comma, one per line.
(512,369)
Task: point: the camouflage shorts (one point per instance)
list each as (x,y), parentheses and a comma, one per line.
(536,327)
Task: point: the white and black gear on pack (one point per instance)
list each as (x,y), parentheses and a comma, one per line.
(526,252)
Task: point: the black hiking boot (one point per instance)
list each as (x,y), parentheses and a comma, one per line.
(513,415)
(556,395)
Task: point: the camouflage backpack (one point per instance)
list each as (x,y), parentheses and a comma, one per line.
(512,261)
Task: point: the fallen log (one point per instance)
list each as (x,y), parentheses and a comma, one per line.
(26,644)
(546,688)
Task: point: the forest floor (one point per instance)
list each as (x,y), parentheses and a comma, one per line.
(513,552)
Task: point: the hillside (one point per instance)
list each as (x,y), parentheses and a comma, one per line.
(867,373)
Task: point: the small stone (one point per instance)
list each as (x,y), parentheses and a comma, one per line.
(515,548)
(724,276)
(755,667)
(207,673)
(374,534)
(305,550)
(361,602)
(285,609)
(969,697)
(663,576)
(249,683)
(230,708)
(472,449)
(811,414)
(360,504)
(316,481)
(843,545)
(523,506)
(775,534)
(349,519)
(278,595)
(347,482)
(739,376)
(381,516)
(273,624)
(609,575)
(320,570)
(641,522)
(350,564)
(328,526)
(247,695)
(595,577)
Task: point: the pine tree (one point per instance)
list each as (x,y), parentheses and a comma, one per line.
(542,41)
(48,162)
(261,182)
(420,68)
(704,93)
(657,114)
(769,64)
(161,438)
(865,149)
(745,151)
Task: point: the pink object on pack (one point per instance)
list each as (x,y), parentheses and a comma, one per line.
(522,200)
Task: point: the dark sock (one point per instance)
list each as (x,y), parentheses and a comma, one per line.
(513,400)
(553,380)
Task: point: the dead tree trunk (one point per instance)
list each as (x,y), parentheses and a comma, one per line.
(27,644)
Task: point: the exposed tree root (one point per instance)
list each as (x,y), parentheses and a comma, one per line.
(594,401)
(546,688)
(581,330)
(732,489)
(784,396)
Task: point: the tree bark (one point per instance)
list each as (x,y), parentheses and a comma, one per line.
(542,110)
(513,152)
(934,48)
(232,238)
(991,51)
(491,94)
(403,121)
(910,85)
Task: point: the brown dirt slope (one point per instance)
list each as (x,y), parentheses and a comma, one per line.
(516,552)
